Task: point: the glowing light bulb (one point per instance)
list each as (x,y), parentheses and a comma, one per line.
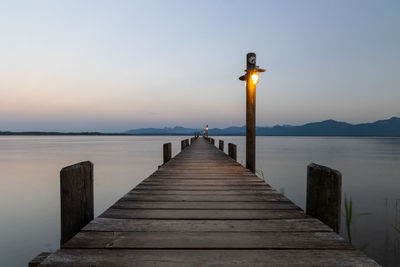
(254,78)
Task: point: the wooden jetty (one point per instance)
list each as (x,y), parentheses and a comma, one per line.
(202,208)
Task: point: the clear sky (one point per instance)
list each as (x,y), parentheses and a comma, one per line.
(118,65)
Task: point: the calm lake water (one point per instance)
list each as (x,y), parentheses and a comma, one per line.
(29,182)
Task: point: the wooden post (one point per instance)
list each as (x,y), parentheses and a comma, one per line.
(324,194)
(183,145)
(232,151)
(221,145)
(76,186)
(192,140)
(250,115)
(187,142)
(166,152)
(212,141)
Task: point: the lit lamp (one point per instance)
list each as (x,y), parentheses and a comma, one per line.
(251,78)
(207,130)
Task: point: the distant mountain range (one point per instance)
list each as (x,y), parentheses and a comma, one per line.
(384,128)
(381,128)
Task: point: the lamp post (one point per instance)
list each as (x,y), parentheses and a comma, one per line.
(207,130)
(251,78)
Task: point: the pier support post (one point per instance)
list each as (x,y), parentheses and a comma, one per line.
(324,194)
(232,151)
(184,144)
(76,188)
(212,141)
(166,152)
(221,145)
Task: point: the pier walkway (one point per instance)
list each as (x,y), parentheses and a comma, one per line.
(202,208)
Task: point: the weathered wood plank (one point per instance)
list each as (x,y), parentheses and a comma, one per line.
(203,192)
(208,240)
(177,258)
(206,177)
(202,187)
(262,205)
(202,214)
(200,182)
(238,198)
(38,259)
(154,225)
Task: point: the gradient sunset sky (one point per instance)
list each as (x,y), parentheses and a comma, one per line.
(117,65)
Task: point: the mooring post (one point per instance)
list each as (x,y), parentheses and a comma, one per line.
(76,188)
(166,152)
(212,141)
(324,194)
(183,145)
(221,145)
(232,151)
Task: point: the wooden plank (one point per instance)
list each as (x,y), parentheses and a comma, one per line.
(228,258)
(200,182)
(237,198)
(202,214)
(262,205)
(208,240)
(201,177)
(202,187)
(203,192)
(38,259)
(154,225)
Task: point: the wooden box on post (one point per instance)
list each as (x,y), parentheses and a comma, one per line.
(221,145)
(324,194)
(167,151)
(232,151)
(76,188)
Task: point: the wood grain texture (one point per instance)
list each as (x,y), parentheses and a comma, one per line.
(154,225)
(202,214)
(324,194)
(205,205)
(226,258)
(76,194)
(208,240)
